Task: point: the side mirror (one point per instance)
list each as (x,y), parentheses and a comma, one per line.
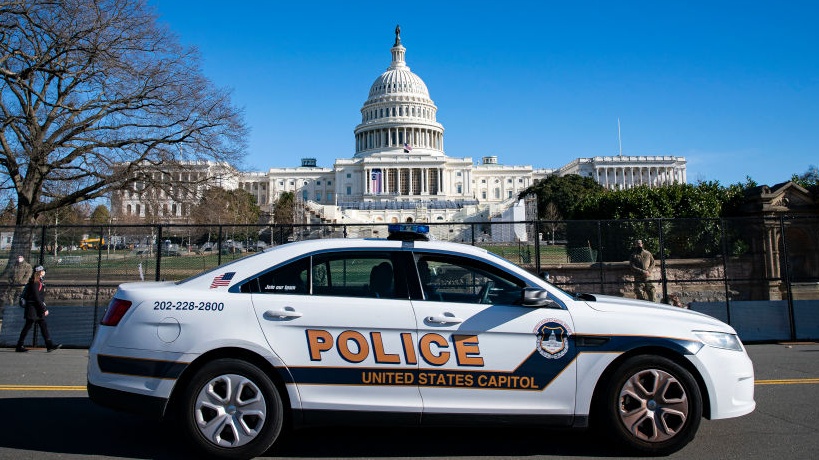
(537,297)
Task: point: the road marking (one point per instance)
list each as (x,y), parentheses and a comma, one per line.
(41,388)
(786,381)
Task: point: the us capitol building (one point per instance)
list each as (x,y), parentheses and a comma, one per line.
(401,173)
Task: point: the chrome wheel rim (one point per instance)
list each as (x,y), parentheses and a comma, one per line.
(653,405)
(230,410)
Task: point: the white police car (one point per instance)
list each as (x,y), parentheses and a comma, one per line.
(407,332)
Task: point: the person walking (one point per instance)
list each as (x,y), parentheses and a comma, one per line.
(642,262)
(35,310)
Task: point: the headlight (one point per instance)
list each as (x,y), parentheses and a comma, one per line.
(720,340)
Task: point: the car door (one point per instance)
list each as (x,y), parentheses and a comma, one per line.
(341,321)
(484,353)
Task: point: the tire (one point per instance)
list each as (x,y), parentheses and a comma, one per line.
(651,405)
(231,409)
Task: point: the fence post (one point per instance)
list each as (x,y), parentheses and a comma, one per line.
(42,245)
(158,252)
(99,272)
(663,277)
(600,256)
(537,247)
(724,240)
(786,276)
(219,247)
(472,231)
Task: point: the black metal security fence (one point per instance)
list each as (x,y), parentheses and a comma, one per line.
(761,275)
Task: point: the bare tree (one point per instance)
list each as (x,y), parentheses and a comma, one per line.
(553,218)
(235,210)
(96,95)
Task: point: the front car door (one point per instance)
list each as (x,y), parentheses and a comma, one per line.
(485,354)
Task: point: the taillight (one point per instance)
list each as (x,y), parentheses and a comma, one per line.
(116,310)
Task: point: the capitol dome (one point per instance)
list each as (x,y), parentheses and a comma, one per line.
(399,116)
(398,79)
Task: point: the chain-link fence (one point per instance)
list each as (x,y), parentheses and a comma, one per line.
(759,274)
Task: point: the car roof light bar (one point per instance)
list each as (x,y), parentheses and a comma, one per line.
(408,232)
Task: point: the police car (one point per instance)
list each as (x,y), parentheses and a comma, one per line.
(407,332)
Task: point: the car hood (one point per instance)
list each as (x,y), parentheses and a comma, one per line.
(633,307)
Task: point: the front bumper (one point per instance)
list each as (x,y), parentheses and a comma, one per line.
(729,380)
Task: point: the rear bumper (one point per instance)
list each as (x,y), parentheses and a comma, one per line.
(134,403)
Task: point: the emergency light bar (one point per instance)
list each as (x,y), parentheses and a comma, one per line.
(408,232)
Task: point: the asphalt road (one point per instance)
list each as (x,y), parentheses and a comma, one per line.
(45,414)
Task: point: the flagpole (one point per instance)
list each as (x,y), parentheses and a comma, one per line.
(619,139)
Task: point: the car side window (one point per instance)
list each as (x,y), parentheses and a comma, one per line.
(340,274)
(357,274)
(290,278)
(446,278)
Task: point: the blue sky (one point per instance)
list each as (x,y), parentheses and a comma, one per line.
(731,86)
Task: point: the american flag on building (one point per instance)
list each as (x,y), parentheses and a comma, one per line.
(407,148)
(222,280)
(375,181)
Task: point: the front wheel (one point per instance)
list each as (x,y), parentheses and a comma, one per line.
(232,409)
(652,405)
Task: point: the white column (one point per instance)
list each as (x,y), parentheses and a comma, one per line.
(384,180)
(424,184)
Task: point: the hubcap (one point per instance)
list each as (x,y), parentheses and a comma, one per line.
(653,405)
(230,410)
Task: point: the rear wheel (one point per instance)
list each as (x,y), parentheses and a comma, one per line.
(231,409)
(652,405)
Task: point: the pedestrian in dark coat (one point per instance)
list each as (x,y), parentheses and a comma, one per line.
(35,310)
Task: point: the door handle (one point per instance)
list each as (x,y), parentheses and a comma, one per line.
(284,313)
(444,318)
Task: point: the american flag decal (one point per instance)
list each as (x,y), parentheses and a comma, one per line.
(222,280)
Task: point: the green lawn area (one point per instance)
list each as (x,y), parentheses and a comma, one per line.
(80,267)
(524,254)
(121,266)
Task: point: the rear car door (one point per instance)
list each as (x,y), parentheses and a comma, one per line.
(482,352)
(342,323)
